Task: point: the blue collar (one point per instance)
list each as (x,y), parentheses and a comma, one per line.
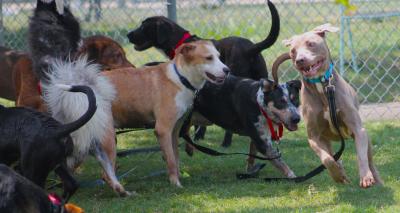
(184,80)
(322,78)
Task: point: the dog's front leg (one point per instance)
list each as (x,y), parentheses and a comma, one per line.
(250,160)
(366,177)
(265,147)
(324,151)
(164,134)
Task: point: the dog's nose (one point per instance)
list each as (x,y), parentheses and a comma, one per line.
(130,36)
(295,119)
(300,61)
(226,70)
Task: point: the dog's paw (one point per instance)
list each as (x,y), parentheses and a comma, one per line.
(291,174)
(189,150)
(128,194)
(367,181)
(341,178)
(175,181)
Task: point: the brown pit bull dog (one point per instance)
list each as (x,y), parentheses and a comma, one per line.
(311,57)
(160,96)
(18,83)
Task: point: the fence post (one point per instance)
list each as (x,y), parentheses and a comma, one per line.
(1,24)
(341,47)
(171,7)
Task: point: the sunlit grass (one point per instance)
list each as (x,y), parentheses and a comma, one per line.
(210,184)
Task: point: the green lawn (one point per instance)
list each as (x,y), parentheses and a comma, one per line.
(210,184)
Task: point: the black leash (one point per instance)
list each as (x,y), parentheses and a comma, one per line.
(125,153)
(213,152)
(330,92)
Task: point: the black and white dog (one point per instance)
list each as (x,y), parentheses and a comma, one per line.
(54,38)
(242,56)
(251,108)
(39,143)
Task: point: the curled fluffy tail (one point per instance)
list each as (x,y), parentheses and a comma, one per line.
(68,107)
(66,129)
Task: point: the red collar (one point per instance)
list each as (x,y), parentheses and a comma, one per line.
(275,136)
(185,36)
(39,88)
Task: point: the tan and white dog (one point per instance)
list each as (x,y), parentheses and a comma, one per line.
(159,96)
(311,57)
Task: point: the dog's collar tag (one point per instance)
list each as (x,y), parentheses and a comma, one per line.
(323,78)
(184,80)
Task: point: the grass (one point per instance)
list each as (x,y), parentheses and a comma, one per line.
(210,184)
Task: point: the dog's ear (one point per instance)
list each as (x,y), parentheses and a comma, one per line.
(321,30)
(185,49)
(164,30)
(287,42)
(295,84)
(267,85)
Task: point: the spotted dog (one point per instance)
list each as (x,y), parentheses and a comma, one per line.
(244,106)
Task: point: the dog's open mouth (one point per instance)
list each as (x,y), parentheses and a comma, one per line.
(144,46)
(313,69)
(291,127)
(215,79)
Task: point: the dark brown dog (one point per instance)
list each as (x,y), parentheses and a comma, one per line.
(18,83)
(8,60)
(104,51)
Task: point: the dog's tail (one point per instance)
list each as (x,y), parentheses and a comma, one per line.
(273,34)
(66,129)
(70,108)
(54,33)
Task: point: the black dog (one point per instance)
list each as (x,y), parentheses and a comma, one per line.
(20,195)
(39,143)
(241,55)
(47,38)
(244,106)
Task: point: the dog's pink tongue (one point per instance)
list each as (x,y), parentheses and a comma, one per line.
(312,70)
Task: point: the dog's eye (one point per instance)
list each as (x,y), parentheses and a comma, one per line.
(310,44)
(209,58)
(293,51)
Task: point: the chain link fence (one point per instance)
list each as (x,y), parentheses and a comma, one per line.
(366,51)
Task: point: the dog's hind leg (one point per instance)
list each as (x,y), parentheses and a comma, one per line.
(324,151)
(374,170)
(108,167)
(200,132)
(69,183)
